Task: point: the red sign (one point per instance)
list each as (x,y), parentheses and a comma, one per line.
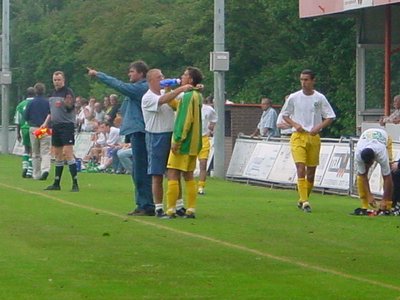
(314,8)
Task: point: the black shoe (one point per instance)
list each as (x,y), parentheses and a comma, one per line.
(53,188)
(44,176)
(190,216)
(383,212)
(75,188)
(24,171)
(181,212)
(360,212)
(160,213)
(141,212)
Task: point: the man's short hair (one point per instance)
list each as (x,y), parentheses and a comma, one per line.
(266,100)
(367,156)
(195,74)
(30,92)
(140,66)
(40,89)
(308,72)
(59,73)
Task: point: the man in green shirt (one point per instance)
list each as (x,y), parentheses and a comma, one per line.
(186,144)
(23,132)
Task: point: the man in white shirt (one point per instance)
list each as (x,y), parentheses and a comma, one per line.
(159,123)
(208,118)
(374,145)
(308,112)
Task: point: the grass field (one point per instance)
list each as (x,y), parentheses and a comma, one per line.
(246,243)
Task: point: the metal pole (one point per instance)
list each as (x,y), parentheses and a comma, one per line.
(5,71)
(388,50)
(219,91)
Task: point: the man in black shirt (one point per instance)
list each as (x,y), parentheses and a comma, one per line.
(62,116)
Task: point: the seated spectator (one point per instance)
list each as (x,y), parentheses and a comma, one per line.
(89,122)
(112,112)
(395,115)
(99,113)
(80,115)
(123,160)
(99,141)
(113,140)
(106,104)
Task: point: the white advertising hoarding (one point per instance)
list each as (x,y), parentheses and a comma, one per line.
(240,156)
(262,159)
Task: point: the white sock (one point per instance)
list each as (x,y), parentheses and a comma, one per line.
(179,204)
(159,206)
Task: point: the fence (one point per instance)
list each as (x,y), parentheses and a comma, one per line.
(269,162)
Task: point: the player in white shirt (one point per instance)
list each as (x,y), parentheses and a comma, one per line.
(374,145)
(209,119)
(308,112)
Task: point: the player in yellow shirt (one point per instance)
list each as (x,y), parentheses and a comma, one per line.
(186,144)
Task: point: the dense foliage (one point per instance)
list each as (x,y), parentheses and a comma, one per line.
(269,45)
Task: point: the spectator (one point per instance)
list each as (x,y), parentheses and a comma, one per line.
(78,110)
(159,123)
(99,141)
(133,126)
(112,141)
(113,109)
(395,115)
(373,145)
(122,159)
(185,145)
(80,118)
(308,112)
(37,114)
(89,122)
(62,114)
(99,114)
(267,125)
(106,104)
(208,119)
(23,133)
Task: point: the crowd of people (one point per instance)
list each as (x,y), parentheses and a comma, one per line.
(155,132)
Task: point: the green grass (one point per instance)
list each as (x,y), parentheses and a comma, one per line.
(247,243)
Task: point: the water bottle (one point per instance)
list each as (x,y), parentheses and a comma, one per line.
(170,82)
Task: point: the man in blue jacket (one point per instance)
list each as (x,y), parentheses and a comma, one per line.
(133,127)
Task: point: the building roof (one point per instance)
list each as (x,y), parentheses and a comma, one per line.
(314,8)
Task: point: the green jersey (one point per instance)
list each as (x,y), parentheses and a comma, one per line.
(19,117)
(187,129)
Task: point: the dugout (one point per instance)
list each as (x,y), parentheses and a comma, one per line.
(378,47)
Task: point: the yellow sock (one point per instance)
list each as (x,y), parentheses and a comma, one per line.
(362,193)
(302,189)
(310,186)
(172,195)
(201,184)
(191,194)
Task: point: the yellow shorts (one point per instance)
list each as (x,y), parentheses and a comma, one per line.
(205,150)
(305,148)
(182,162)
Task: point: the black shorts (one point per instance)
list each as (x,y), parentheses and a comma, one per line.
(63,134)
